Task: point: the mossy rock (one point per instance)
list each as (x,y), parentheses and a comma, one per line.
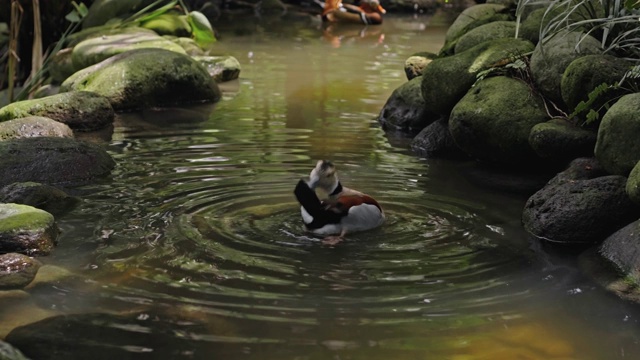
(551,58)
(487,32)
(559,141)
(586,73)
(173,79)
(221,68)
(52,161)
(26,230)
(446,80)
(80,110)
(470,15)
(169,24)
(97,49)
(41,196)
(189,45)
(33,126)
(493,120)
(17,270)
(618,148)
(76,38)
(405,110)
(633,184)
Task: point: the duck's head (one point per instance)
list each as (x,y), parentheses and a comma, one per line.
(324,176)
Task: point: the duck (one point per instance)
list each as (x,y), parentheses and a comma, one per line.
(344,210)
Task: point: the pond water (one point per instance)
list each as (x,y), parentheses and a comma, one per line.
(193,248)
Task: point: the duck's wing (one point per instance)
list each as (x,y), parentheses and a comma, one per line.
(320,214)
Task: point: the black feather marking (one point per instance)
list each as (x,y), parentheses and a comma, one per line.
(310,202)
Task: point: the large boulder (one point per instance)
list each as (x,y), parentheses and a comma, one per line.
(221,68)
(633,184)
(552,56)
(618,148)
(17,271)
(579,207)
(560,141)
(26,230)
(41,196)
(52,161)
(446,80)
(80,110)
(33,126)
(584,74)
(435,141)
(493,121)
(405,110)
(173,79)
(94,50)
(491,31)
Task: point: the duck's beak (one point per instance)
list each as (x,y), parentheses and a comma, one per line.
(381,10)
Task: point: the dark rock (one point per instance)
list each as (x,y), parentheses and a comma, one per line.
(105,336)
(52,161)
(622,250)
(27,230)
(578,211)
(41,196)
(435,141)
(559,141)
(405,109)
(17,271)
(493,121)
(618,148)
(80,110)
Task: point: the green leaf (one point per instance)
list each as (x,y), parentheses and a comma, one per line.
(142,15)
(201,28)
(73,17)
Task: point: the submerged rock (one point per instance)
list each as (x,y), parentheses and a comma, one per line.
(80,110)
(33,126)
(221,68)
(493,121)
(26,230)
(618,148)
(94,50)
(17,270)
(52,161)
(405,110)
(173,79)
(435,141)
(559,141)
(579,207)
(446,80)
(551,58)
(41,196)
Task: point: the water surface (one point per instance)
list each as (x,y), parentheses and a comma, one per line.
(194,249)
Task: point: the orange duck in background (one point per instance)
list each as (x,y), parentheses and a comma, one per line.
(369,12)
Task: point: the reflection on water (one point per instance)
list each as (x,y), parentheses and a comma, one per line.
(194,247)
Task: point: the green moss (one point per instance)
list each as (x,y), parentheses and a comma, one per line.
(15,218)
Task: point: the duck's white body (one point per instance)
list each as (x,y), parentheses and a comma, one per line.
(344,211)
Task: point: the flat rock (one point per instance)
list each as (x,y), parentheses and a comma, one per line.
(33,126)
